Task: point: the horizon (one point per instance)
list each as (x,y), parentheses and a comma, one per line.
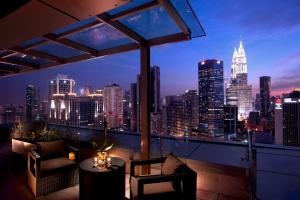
(271,46)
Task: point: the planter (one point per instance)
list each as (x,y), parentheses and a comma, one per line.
(20,146)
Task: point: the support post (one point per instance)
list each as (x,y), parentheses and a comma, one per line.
(145,106)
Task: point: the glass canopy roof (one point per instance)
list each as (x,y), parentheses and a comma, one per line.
(128,27)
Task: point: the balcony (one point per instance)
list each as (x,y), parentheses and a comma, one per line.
(224,170)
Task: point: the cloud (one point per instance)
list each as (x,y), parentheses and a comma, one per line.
(286,81)
(262,17)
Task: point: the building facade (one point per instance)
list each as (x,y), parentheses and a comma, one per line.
(291,121)
(265,99)
(33,103)
(230,119)
(113,106)
(238,92)
(211,97)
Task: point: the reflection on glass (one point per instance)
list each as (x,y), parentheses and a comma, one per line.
(151,23)
(59,50)
(100,37)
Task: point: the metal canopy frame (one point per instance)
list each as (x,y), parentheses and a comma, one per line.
(88,52)
(111,20)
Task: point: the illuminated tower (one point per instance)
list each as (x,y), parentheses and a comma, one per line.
(238,92)
(113,105)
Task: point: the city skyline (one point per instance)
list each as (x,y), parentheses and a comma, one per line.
(271,39)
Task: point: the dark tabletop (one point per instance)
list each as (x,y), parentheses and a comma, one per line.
(88,165)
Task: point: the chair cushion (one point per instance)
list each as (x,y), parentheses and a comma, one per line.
(52,149)
(55,163)
(172,164)
(152,188)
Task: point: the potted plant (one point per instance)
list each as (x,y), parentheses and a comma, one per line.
(26,134)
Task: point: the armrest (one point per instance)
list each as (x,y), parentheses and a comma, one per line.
(33,162)
(142,180)
(71,148)
(161,178)
(134,163)
(33,154)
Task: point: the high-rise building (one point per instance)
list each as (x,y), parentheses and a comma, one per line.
(265,101)
(174,122)
(62,84)
(278,121)
(155,89)
(230,119)
(291,119)
(253,121)
(238,91)
(127,110)
(12,114)
(133,107)
(191,109)
(33,103)
(211,97)
(113,106)
(257,102)
(180,114)
(155,107)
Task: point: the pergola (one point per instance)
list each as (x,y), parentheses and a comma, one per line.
(41,34)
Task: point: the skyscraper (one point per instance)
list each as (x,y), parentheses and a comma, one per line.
(291,119)
(155,88)
(155,108)
(133,107)
(127,110)
(211,97)
(265,101)
(257,102)
(278,121)
(32,103)
(113,105)
(238,91)
(62,84)
(230,119)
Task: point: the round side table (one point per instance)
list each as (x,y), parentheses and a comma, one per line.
(96,183)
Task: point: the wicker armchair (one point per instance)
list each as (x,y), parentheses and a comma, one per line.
(50,169)
(179,185)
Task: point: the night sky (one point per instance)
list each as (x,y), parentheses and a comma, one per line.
(269,29)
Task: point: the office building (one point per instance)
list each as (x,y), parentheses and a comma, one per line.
(265,100)
(33,104)
(230,119)
(211,97)
(291,121)
(127,110)
(113,105)
(278,119)
(133,107)
(238,92)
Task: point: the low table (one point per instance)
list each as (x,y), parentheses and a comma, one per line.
(96,183)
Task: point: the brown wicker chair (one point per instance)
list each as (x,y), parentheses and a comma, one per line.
(48,173)
(180,185)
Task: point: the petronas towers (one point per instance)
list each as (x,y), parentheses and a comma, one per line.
(238,92)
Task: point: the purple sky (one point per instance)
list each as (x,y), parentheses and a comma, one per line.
(270,31)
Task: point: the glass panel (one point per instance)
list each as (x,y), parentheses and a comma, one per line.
(14,68)
(151,23)
(59,50)
(29,59)
(31,42)
(100,37)
(133,4)
(186,12)
(74,26)
(5,52)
